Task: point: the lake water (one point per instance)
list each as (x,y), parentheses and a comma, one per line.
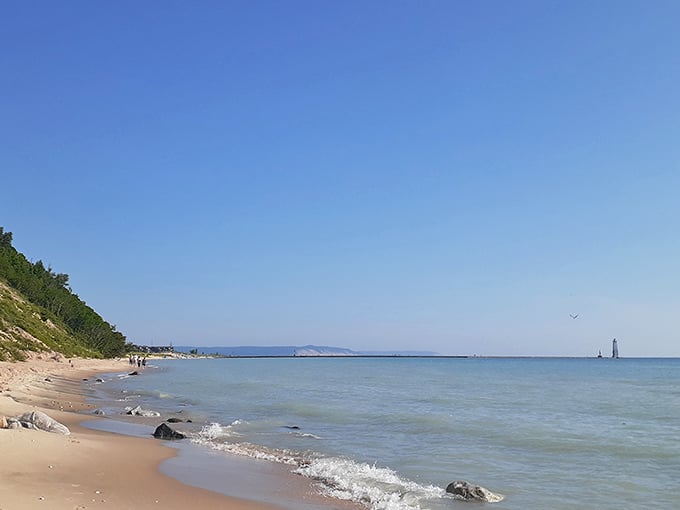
(546,433)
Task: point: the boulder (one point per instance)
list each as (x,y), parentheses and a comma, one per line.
(40,421)
(163,431)
(138,411)
(174,420)
(469,492)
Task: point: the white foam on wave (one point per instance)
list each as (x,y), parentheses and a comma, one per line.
(128,398)
(250,450)
(209,433)
(306,434)
(378,488)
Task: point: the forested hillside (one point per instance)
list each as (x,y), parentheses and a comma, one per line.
(40,312)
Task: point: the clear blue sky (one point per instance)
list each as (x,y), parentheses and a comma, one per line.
(451,176)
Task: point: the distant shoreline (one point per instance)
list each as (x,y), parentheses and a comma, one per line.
(399,356)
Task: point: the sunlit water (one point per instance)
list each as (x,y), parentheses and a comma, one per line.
(547,434)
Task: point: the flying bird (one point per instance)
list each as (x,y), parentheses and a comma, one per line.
(573,316)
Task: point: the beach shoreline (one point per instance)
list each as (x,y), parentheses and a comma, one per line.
(93,468)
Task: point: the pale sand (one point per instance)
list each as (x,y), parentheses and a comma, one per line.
(88,469)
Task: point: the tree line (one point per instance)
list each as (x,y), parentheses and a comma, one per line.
(50,290)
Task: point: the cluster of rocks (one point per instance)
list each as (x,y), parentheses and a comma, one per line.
(163,431)
(36,420)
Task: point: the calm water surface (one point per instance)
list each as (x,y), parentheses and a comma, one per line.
(393,432)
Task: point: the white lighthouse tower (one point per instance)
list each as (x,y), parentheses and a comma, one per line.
(615,349)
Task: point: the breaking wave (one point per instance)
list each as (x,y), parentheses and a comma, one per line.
(378,488)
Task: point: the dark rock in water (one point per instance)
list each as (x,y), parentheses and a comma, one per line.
(85,379)
(100,380)
(189,421)
(48,379)
(470,492)
(174,420)
(292,427)
(99,411)
(165,432)
(134,373)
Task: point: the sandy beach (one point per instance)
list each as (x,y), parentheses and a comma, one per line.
(88,468)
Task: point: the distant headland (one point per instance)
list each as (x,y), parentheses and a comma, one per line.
(292,351)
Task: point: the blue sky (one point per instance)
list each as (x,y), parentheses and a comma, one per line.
(450,176)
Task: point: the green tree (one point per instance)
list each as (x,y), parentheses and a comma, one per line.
(50,290)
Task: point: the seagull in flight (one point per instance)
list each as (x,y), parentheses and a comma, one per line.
(573,316)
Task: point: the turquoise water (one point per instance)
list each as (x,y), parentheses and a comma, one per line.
(393,432)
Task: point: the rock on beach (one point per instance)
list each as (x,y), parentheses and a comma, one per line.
(163,431)
(470,492)
(35,420)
